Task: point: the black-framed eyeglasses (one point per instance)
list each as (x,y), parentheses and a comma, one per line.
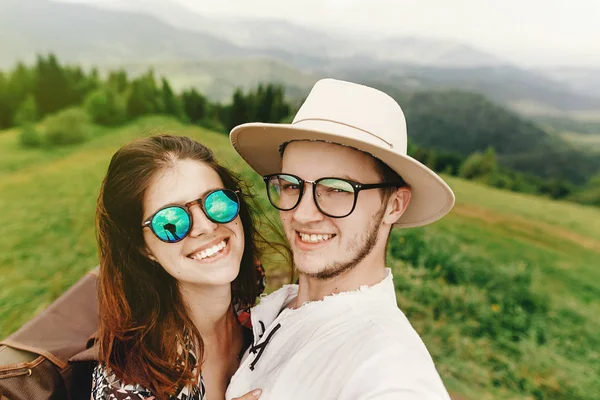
(334,197)
(172,224)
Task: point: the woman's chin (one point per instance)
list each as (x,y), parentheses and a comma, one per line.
(216,272)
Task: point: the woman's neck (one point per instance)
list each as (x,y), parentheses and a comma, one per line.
(210,309)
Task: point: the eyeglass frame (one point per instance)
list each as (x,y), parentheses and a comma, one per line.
(147,223)
(357,186)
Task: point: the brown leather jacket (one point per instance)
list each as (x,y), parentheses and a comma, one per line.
(52,356)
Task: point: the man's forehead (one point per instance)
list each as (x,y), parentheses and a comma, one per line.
(333,159)
(332,146)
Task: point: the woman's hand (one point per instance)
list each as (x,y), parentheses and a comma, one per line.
(253,395)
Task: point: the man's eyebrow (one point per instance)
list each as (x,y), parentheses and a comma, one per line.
(341,176)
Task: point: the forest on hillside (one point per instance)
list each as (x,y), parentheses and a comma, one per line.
(454,132)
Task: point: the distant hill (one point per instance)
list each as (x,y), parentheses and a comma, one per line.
(508,85)
(449,120)
(88,35)
(464,123)
(279,35)
(136,32)
(217,79)
(558,125)
(577,78)
(422,62)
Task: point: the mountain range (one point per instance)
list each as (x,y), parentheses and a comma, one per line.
(585,80)
(274,36)
(217,55)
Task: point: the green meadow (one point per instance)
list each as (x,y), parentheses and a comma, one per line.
(505,291)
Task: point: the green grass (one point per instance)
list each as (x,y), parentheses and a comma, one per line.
(556,245)
(504,291)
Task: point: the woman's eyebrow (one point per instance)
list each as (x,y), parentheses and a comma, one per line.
(182,203)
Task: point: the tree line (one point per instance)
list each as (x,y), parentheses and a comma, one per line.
(28,94)
(56,105)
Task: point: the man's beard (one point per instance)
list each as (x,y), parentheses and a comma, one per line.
(338,268)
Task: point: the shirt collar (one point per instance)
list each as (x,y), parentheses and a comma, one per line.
(271,305)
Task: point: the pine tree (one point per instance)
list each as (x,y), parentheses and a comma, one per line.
(118,80)
(240,110)
(194,105)
(52,91)
(15,87)
(171,104)
(5,110)
(266,101)
(144,97)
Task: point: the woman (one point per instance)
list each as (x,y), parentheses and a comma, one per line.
(178,271)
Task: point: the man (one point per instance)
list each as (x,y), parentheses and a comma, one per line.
(340,176)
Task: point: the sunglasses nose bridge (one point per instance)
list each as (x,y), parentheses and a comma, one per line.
(189,204)
(200,223)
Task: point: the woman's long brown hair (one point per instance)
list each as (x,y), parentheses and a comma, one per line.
(143,318)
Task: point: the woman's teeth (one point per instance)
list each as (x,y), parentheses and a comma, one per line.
(210,252)
(314,238)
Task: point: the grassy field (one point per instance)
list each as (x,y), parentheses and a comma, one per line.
(505,291)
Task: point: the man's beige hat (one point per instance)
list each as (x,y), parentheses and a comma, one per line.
(360,117)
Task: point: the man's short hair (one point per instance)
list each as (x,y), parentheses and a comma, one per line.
(386,174)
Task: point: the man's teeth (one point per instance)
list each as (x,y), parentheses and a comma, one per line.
(314,238)
(210,252)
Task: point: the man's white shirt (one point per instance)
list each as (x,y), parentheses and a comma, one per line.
(350,346)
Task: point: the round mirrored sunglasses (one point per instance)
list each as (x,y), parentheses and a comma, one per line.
(172,224)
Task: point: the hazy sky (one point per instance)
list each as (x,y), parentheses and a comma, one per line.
(529,32)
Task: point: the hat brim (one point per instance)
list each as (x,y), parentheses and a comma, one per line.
(431,198)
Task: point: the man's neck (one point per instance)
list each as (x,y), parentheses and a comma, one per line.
(367,273)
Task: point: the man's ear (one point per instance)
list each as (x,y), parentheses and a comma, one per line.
(396,205)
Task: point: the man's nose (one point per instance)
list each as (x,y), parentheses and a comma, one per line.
(307,210)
